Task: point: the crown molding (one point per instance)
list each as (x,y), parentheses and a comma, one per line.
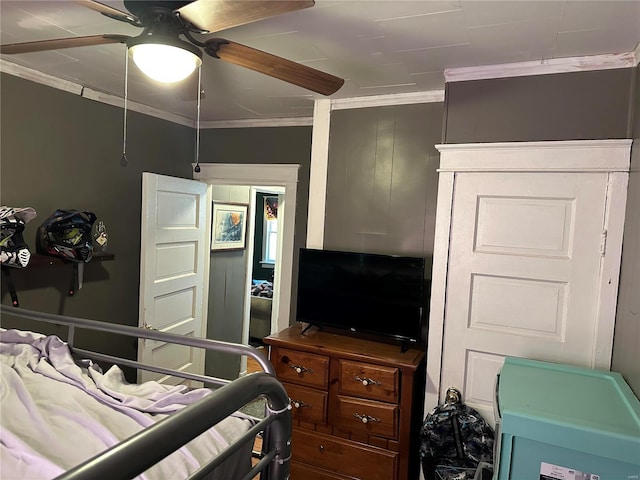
(106,98)
(39,77)
(259,122)
(587,155)
(543,67)
(433,96)
(88,93)
(116,101)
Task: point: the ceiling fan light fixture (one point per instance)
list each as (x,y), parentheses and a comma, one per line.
(165,60)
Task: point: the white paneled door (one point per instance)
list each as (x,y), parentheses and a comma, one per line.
(523,274)
(526,265)
(174,247)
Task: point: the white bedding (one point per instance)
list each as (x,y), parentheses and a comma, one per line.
(54,412)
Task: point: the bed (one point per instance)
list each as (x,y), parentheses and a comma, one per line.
(64,417)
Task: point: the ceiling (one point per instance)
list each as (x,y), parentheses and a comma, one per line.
(378,47)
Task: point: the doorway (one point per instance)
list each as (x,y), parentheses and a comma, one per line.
(285,178)
(263,261)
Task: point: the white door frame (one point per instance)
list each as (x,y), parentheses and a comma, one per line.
(267,175)
(612,156)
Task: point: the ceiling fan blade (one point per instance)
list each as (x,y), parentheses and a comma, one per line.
(277,67)
(60,43)
(111,12)
(216,15)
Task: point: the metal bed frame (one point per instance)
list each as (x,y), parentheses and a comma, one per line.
(136,454)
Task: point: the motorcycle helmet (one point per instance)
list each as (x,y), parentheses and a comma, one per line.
(67,234)
(14,252)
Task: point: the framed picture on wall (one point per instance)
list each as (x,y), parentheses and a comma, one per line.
(229,226)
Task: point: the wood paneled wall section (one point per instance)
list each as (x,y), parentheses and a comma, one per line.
(227,275)
(382,179)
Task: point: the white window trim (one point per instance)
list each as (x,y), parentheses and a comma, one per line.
(265,262)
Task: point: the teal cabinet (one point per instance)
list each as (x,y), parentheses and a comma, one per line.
(559,422)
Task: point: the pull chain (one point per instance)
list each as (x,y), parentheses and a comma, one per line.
(124,161)
(197,167)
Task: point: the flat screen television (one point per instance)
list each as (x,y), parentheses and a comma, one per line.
(363,292)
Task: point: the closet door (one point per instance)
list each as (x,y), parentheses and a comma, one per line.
(526,261)
(523,274)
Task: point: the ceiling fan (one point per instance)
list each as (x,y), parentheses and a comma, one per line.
(168,40)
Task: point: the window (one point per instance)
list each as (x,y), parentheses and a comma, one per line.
(270,241)
(270,232)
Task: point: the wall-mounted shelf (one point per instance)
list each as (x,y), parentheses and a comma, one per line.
(38,260)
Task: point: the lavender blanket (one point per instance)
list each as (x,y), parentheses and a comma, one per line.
(57,412)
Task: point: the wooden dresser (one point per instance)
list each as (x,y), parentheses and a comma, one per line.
(357,405)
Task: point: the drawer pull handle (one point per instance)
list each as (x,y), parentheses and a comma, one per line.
(366,418)
(301,369)
(367,381)
(299,404)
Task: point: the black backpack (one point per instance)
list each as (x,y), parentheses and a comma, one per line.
(454,435)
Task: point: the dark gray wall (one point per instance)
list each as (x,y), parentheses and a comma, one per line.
(269,145)
(59,150)
(626,343)
(382,179)
(567,106)
(62,151)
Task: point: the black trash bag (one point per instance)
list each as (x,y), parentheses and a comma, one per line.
(455,435)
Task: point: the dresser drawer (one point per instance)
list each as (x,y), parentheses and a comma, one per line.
(300,471)
(366,416)
(307,403)
(301,368)
(342,456)
(369,381)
